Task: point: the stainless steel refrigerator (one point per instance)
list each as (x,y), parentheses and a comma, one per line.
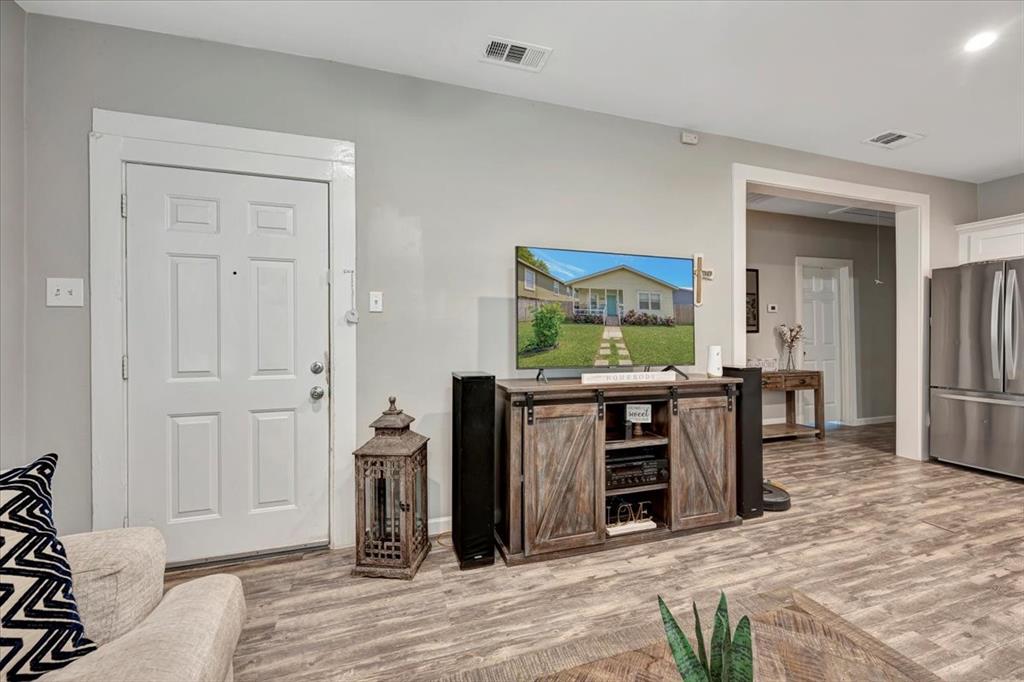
(977,366)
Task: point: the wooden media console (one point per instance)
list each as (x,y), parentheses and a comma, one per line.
(555,440)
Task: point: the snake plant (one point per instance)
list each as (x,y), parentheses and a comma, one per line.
(731,656)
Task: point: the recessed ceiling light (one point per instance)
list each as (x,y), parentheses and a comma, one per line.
(980,41)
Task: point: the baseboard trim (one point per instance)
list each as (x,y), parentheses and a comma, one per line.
(868,421)
(773,420)
(438,525)
(860,421)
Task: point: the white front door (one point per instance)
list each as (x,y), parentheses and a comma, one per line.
(822,341)
(227,311)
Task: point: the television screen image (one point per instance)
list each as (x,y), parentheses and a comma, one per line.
(577,309)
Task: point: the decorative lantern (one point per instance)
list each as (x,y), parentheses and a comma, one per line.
(391,498)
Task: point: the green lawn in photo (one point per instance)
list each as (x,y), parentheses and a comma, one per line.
(577,346)
(659,345)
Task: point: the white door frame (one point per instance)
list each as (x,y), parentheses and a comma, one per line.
(119,138)
(913,228)
(847,329)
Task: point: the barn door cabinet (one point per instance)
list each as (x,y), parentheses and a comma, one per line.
(556,439)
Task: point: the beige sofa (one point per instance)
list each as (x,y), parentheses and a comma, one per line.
(188,634)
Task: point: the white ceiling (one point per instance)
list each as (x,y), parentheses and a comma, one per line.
(816,76)
(812,209)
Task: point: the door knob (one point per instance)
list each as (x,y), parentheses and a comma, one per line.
(316,393)
(317,367)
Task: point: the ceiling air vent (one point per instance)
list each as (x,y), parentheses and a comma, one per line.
(515,54)
(893,139)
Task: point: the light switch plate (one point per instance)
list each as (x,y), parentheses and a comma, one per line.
(773,307)
(65,292)
(376,301)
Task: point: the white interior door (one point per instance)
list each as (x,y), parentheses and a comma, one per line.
(822,345)
(227,311)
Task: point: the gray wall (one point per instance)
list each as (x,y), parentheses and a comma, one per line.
(1000,198)
(773,243)
(448,181)
(12,233)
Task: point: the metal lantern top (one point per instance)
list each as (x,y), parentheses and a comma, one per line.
(392,437)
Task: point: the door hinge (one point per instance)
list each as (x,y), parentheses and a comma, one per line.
(529,408)
(674,395)
(600,405)
(124,367)
(124,205)
(730,394)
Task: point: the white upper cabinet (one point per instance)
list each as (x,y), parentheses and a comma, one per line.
(992,239)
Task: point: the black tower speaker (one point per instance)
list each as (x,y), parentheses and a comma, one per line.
(749,466)
(473,443)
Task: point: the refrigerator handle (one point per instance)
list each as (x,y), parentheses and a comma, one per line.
(1011,324)
(994,335)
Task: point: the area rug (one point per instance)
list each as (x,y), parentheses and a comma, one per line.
(800,641)
(795,639)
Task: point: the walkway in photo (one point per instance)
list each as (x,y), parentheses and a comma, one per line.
(613,347)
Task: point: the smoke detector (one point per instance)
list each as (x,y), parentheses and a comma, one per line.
(893,139)
(515,54)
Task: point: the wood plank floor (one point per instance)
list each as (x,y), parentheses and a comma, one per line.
(926,557)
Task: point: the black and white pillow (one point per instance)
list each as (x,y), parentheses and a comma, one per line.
(40,629)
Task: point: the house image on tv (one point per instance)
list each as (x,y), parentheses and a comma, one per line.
(535,288)
(613,292)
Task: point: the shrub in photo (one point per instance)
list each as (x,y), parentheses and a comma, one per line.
(587,318)
(547,322)
(647,320)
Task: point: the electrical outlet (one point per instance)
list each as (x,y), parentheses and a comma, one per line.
(376,301)
(773,307)
(65,292)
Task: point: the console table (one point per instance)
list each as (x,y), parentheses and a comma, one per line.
(555,440)
(791,381)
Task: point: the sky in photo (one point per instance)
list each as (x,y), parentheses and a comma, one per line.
(568,265)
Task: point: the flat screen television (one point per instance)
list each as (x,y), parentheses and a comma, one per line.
(577,309)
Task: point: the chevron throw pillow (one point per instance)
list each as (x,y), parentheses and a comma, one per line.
(40,629)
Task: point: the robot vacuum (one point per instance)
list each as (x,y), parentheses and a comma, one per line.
(775,497)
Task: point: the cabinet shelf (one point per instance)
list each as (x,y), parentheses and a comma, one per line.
(644,441)
(772,431)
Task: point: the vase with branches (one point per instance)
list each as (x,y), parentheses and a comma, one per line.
(790,336)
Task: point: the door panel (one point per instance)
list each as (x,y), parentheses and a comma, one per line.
(563,468)
(195,465)
(273,458)
(966,316)
(822,344)
(703,463)
(227,308)
(1013,326)
(272,317)
(978,430)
